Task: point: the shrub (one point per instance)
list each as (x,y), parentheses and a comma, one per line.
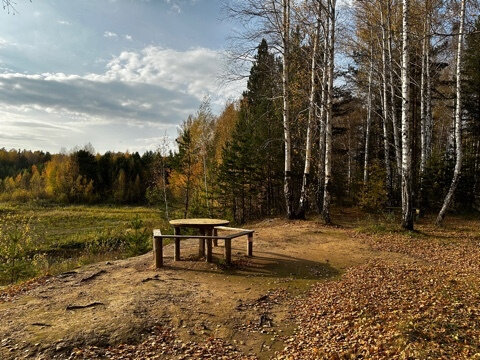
(137,238)
(15,243)
(374,196)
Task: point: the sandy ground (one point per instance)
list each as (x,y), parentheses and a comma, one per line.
(118,302)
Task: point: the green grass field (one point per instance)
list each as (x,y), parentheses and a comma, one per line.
(64,237)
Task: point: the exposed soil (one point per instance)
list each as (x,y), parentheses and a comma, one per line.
(187,308)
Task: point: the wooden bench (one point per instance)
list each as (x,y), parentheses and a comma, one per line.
(158,243)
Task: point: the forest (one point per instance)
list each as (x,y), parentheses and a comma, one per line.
(306,133)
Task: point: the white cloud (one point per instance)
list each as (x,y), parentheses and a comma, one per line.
(3,42)
(63,22)
(139,94)
(110,34)
(128,37)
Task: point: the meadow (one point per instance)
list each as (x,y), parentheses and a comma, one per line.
(37,240)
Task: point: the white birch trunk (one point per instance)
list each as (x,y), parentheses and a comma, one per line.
(311,118)
(384,97)
(422,108)
(393,96)
(328,119)
(458,120)
(286,120)
(323,95)
(426,100)
(407,206)
(369,120)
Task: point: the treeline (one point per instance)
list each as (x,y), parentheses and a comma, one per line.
(79,177)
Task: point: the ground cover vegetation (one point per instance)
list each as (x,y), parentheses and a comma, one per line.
(40,240)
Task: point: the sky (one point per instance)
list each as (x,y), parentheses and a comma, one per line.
(119,74)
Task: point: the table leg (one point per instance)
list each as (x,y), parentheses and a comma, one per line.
(201,244)
(250,245)
(209,247)
(176,255)
(215,241)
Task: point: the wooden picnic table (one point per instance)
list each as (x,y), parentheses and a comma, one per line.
(206,227)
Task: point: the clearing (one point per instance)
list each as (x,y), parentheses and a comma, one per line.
(340,284)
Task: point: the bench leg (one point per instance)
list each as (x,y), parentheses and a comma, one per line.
(201,244)
(215,241)
(176,255)
(250,245)
(209,250)
(158,251)
(228,251)
(209,247)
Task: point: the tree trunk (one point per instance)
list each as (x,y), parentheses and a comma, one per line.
(393,97)
(328,121)
(311,117)
(321,144)
(458,121)
(407,206)
(288,183)
(425,108)
(369,120)
(384,97)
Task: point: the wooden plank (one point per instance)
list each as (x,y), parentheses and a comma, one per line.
(227,228)
(185,237)
(250,245)
(198,222)
(228,251)
(176,255)
(158,251)
(157,232)
(215,241)
(242,233)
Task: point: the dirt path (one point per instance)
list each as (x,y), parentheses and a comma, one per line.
(121,302)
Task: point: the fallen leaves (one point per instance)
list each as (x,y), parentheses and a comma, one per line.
(162,343)
(426,307)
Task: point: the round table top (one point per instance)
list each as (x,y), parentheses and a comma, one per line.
(199,222)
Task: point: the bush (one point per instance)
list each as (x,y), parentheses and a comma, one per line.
(137,238)
(374,195)
(15,243)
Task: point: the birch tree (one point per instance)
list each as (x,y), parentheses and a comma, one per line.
(384,97)
(285,34)
(457,119)
(393,91)
(368,122)
(311,118)
(426,120)
(328,112)
(321,118)
(407,205)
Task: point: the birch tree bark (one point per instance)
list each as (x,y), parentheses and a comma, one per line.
(311,118)
(426,96)
(328,118)
(369,120)
(425,105)
(407,205)
(393,94)
(288,185)
(384,97)
(323,95)
(457,120)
